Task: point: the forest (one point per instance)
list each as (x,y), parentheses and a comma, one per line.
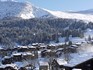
(25,32)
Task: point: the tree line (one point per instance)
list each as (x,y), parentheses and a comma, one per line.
(25,32)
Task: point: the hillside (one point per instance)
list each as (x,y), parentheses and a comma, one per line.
(24,10)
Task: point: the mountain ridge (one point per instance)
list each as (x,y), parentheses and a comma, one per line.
(27,11)
(89,11)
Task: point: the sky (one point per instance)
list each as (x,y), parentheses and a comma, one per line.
(63,5)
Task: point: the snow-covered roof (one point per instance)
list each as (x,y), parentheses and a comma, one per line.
(56,44)
(76,69)
(61,61)
(7,57)
(43,46)
(15,54)
(19,64)
(28,53)
(43,63)
(73,46)
(23,53)
(9,65)
(77,59)
(23,46)
(34,44)
(31,46)
(60,48)
(49,50)
(1,48)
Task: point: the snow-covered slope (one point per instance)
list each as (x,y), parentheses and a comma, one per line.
(85,17)
(27,11)
(90,11)
(23,10)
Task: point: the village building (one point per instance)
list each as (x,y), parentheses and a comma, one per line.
(72,48)
(9,67)
(43,65)
(83,63)
(17,57)
(48,53)
(7,60)
(28,49)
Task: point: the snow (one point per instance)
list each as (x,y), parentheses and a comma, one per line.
(60,49)
(61,61)
(75,40)
(7,57)
(23,53)
(43,63)
(19,64)
(1,48)
(76,69)
(85,48)
(27,10)
(84,53)
(11,65)
(22,46)
(88,32)
(66,15)
(22,64)
(18,9)
(89,11)
(77,59)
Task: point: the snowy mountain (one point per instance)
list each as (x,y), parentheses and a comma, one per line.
(23,10)
(67,15)
(90,11)
(12,8)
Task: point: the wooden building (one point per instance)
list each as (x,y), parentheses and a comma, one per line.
(7,60)
(17,57)
(48,53)
(83,64)
(43,65)
(9,67)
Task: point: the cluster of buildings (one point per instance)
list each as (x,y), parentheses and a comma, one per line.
(39,56)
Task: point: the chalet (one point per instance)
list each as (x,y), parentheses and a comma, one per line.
(35,44)
(24,56)
(60,49)
(78,44)
(30,67)
(32,48)
(42,47)
(83,63)
(22,48)
(5,52)
(17,57)
(43,53)
(51,53)
(72,48)
(28,56)
(59,52)
(2,52)
(7,60)
(48,53)
(55,46)
(51,46)
(9,67)
(43,65)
